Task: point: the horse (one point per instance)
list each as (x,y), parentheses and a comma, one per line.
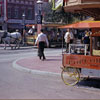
(12,39)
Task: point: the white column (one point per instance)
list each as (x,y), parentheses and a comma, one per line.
(5,15)
(5,10)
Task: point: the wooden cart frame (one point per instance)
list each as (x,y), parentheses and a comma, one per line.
(74,64)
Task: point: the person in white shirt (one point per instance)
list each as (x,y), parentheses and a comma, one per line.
(41,40)
(67,38)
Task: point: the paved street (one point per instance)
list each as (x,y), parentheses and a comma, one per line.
(44,82)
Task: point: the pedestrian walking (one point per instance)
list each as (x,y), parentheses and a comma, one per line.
(41,42)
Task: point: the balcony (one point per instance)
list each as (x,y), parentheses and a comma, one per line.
(87,7)
(78,2)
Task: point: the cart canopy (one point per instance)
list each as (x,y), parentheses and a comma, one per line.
(83,24)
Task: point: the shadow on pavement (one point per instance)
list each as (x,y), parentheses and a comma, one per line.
(53,59)
(90,82)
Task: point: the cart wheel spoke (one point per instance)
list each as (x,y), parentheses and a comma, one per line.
(70,76)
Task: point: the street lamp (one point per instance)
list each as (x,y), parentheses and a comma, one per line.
(23,16)
(39,4)
(39,15)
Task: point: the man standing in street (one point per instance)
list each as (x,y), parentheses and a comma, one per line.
(67,38)
(41,40)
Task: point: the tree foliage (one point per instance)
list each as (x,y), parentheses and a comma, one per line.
(59,16)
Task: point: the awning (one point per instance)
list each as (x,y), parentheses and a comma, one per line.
(83,24)
(30,25)
(67,26)
(15,26)
(52,25)
(45,25)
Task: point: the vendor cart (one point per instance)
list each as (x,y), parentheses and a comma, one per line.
(79,62)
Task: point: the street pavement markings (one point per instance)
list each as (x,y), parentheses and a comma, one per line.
(37,72)
(21,68)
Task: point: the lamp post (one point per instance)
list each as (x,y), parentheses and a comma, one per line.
(23,35)
(39,15)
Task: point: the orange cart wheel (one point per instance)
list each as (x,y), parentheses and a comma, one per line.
(70,75)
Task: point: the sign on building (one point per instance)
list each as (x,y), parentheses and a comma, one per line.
(57,4)
(39,19)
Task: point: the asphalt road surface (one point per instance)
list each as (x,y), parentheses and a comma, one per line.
(15,84)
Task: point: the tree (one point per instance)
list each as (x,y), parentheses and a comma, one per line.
(59,15)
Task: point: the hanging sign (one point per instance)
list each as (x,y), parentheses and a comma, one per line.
(57,4)
(39,19)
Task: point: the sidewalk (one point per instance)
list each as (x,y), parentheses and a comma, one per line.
(52,64)
(2,45)
(21,47)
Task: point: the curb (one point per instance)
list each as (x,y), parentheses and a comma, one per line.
(21,68)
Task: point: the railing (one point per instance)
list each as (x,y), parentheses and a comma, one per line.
(78,48)
(90,1)
(77,2)
(72,2)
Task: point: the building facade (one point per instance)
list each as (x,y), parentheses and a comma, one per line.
(11,13)
(86,7)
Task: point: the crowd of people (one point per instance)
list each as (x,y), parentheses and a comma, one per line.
(70,36)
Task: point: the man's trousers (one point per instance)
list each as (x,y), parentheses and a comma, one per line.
(41,50)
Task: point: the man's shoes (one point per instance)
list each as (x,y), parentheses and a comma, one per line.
(43,59)
(40,57)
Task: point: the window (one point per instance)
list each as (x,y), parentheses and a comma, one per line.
(22,2)
(9,12)
(26,2)
(12,1)
(17,1)
(16,12)
(30,13)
